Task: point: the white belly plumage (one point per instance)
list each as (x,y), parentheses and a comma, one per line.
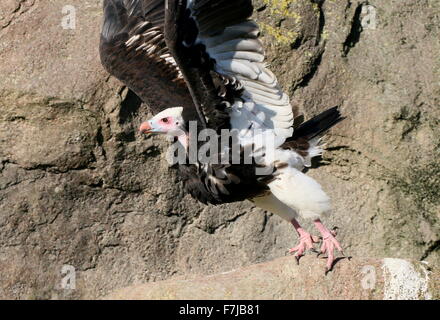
(294,193)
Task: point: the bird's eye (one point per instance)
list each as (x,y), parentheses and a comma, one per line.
(165,120)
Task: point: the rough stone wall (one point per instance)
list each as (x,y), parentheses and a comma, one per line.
(280,279)
(79,186)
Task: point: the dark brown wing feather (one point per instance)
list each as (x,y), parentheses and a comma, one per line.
(225,183)
(212,94)
(181,31)
(133,49)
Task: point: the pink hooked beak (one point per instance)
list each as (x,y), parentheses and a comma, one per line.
(145,127)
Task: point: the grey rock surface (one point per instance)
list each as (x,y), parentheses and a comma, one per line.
(79,186)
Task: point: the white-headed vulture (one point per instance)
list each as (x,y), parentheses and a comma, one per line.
(200,64)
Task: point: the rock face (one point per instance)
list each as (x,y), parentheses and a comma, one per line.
(80,187)
(282,279)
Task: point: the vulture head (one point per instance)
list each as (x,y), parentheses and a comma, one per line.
(169,122)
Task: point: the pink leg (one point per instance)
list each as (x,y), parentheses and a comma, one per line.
(306,241)
(329,243)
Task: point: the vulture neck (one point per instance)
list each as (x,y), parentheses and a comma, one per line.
(184,140)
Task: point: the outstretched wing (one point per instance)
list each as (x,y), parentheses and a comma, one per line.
(133,49)
(217,49)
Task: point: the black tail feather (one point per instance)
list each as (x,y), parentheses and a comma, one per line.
(318,125)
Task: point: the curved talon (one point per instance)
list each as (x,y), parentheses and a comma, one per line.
(329,244)
(306,242)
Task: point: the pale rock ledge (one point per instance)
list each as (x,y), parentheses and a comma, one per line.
(357,278)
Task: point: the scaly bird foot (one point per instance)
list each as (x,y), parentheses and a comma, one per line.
(306,241)
(329,245)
